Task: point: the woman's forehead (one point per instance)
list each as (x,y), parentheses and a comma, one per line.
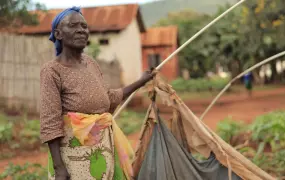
(74,17)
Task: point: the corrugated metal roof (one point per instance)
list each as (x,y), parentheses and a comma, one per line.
(160,36)
(99,19)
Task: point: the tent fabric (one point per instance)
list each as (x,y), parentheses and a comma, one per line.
(167,160)
(191,136)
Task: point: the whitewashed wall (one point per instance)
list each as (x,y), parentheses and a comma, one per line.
(21,58)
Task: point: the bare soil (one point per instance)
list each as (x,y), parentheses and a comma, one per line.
(239,106)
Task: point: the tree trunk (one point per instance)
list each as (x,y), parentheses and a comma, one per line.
(283,77)
(257,78)
(234,68)
(274,76)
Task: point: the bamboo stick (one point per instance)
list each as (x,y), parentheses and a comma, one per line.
(239,76)
(179,49)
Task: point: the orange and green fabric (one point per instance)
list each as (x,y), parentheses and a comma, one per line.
(95,148)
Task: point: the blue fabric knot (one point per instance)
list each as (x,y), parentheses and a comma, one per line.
(55,22)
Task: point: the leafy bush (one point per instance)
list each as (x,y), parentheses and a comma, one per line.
(19,132)
(130,121)
(266,142)
(94,49)
(228,128)
(269,128)
(6,132)
(25,172)
(30,134)
(199,85)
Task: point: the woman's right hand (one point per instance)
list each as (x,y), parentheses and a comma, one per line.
(61,173)
(60,170)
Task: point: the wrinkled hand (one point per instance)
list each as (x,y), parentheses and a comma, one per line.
(147,75)
(61,174)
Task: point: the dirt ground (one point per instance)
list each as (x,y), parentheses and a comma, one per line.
(239,106)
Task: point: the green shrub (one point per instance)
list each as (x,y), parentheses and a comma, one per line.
(6,132)
(267,141)
(25,172)
(6,129)
(199,85)
(270,128)
(228,128)
(130,121)
(30,134)
(19,132)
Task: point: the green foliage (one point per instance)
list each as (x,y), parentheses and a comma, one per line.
(19,132)
(269,128)
(229,128)
(25,172)
(267,131)
(30,134)
(152,12)
(6,132)
(196,58)
(130,121)
(199,85)
(94,49)
(241,39)
(6,129)
(15,12)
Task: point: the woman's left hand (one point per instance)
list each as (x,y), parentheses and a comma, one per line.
(147,76)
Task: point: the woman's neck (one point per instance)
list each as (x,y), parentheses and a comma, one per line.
(71,56)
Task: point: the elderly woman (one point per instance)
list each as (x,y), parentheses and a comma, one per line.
(76,122)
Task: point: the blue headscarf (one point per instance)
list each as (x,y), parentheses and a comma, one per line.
(55,22)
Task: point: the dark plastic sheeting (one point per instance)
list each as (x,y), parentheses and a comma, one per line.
(167,160)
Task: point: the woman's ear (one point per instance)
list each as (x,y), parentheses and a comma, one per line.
(57,34)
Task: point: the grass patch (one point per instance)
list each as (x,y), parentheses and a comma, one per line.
(228,128)
(236,89)
(130,121)
(199,85)
(18,133)
(196,95)
(25,172)
(262,142)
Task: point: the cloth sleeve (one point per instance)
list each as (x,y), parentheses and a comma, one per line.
(116,97)
(51,120)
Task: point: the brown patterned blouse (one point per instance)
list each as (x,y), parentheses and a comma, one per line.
(66,89)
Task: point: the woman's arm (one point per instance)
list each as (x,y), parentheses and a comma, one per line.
(51,120)
(128,90)
(59,167)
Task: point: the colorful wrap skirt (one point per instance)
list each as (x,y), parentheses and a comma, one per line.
(94,148)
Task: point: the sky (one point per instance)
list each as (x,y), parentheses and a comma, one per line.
(50,4)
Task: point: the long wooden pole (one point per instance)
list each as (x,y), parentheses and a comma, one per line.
(239,76)
(179,49)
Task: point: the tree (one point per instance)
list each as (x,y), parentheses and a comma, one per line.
(15,13)
(266,21)
(93,49)
(195,56)
(241,39)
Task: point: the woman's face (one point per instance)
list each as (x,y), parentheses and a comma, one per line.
(73,31)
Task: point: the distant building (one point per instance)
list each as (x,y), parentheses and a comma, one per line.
(117,29)
(157,44)
(121,35)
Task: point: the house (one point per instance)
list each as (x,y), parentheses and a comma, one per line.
(157,44)
(117,29)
